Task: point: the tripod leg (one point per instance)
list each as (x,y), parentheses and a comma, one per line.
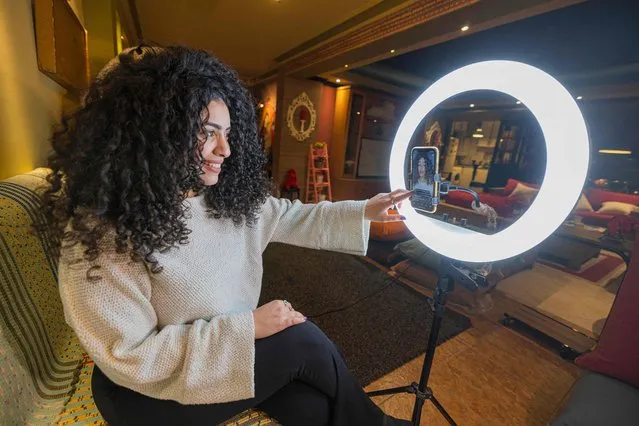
(401,389)
(443,411)
(443,287)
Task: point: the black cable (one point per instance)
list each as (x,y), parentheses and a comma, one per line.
(343,308)
(352,304)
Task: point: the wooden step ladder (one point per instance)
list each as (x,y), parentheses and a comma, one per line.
(318,179)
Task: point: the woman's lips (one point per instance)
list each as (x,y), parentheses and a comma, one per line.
(212,167)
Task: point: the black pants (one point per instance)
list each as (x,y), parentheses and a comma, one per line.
(300,379)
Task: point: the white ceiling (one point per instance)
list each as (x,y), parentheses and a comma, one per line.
(247,34)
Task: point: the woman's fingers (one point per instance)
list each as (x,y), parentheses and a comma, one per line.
(396,197)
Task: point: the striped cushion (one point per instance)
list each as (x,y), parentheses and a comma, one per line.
(45,375)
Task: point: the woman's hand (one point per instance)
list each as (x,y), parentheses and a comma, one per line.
(274,317)
(377,207)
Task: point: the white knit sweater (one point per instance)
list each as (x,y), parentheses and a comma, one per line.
(187,333)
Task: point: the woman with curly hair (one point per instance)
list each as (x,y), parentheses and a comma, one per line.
(159,196)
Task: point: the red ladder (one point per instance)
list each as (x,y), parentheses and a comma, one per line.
(318,176)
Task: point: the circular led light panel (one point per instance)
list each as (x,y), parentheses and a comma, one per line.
(567,149)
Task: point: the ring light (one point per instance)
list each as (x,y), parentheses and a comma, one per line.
(567,149)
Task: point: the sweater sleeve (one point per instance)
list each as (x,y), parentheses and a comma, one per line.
(337,226)
(202,362)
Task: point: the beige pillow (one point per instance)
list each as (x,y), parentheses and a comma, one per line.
(524,193)
(617,208)
(583,205)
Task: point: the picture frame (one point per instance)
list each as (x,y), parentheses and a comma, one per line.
(301,117)
(61,44)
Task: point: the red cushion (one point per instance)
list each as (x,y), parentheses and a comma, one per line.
(463,199)
(502,205)
(594,218)
(617,352)
(459,198)
(597,196)
(511,184)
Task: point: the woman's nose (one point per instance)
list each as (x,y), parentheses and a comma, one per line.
(223,149)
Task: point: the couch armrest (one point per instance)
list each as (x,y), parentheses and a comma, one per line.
(596,400)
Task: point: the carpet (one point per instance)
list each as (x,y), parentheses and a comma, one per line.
(385,330)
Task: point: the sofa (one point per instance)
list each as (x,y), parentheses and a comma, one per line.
(394,247)
(505,204)
(500,199)
(45,374)
(596,197)
(608,394)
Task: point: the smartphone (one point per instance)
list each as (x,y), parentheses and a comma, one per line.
(424,167)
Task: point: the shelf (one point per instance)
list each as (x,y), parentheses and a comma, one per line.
(318,184)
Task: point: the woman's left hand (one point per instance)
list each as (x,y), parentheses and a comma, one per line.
(377,207)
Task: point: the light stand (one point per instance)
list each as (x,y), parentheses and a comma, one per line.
(450,272)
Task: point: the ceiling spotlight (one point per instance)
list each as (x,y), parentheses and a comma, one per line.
(579,97)
(615,151)
(337,80)
(261,105)
(358,113)
(472,105)
(518,102)
(465,28)
(392,51)
(346,66)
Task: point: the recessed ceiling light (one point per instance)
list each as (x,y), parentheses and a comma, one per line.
(518,102)
(337,80)
(261,105)
(465,28)
(358,113)
(580,97)
(615,151)
(472,105)
(392,51)
(346,66)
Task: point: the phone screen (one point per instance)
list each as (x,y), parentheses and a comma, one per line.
(424,167)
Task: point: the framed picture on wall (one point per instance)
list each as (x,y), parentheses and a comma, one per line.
(61,44)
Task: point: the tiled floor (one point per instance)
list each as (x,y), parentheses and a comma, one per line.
(487,375)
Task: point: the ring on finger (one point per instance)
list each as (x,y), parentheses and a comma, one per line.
(288,305)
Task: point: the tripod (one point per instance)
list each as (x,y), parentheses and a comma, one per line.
(449,273)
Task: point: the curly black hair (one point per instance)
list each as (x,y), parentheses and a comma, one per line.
(127,157)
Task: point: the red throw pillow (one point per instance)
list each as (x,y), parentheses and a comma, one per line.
(617,352)
(594,218)
(511,184)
